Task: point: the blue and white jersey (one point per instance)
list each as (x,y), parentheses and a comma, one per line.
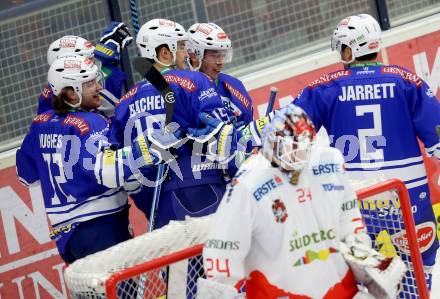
(61,153)
(235,97)
(374,115)
(112,83)
(142,109)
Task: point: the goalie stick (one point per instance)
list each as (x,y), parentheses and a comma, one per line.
(149,72)
(271,102)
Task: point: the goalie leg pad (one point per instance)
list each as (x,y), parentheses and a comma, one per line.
(209,289)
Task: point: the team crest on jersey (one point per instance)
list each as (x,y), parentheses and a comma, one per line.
(279,211)
(183,82)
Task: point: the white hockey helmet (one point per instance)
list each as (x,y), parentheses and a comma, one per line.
(361,33)
(73,71)
(158,32)
(208,36)
(69,44)
(288,138)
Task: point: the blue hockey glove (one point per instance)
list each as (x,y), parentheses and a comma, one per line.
(115,38)
(213,126)
(116,33)
(168,137)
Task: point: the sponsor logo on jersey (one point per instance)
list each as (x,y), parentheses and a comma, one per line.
(183,82)
(129,94)
(326,168)
(366,71)
(413,78)
(207,166)
(279,211)
(311,256)
(299,241)
(237,94)
(425,236)
(349,205)
(333,187)
(222,244)
(56,232)
(78,123)
(329,77)
(42,118)
(265,188)
(207,93)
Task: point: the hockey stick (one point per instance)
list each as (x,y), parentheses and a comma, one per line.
(134,16)
(271,102)
(149,72)
(146,69)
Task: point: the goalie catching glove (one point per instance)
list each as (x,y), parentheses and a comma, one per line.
(380,275)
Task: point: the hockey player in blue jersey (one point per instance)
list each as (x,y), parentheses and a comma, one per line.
(107,53)
(381,110)
(209,49)
(81,184)
(193,185)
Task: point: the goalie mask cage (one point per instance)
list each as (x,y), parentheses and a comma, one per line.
(166,263)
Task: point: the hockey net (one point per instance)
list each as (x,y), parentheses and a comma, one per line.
(166,263)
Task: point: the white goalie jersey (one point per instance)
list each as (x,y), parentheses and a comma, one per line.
(284,238)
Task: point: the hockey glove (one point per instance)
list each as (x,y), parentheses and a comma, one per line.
(115,38)
(167,138)
(380,275)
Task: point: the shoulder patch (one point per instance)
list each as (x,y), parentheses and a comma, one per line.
(329,77)
(42,118)
(77,122)
(183,82)
(406,75)
(129,94)
(235,92)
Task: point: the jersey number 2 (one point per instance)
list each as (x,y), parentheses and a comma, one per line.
(375,132)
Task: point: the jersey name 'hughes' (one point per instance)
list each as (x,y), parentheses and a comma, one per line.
(367,92)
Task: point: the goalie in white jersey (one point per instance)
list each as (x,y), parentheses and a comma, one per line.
(282,221)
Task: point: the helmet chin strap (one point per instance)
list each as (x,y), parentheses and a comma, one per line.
(191,68)
(77,105)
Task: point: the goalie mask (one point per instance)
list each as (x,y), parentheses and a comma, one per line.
(72,71)
(208,36)
(361,33)
(159,32)
(288,138)
(69,44)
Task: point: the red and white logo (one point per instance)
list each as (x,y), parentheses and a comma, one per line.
(373,45)
(222,35)
(279,211)
(425,237)
(67,43)
(167,23)
(204,29)
(72,64)
(88,45)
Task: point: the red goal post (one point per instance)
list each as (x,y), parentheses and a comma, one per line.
(153,269)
